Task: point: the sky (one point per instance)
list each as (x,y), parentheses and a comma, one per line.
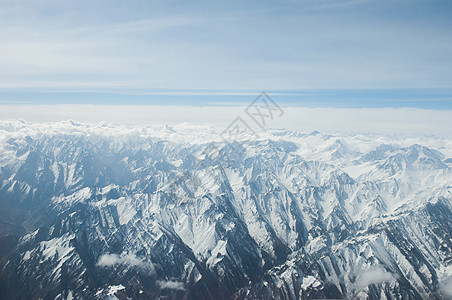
(345,64)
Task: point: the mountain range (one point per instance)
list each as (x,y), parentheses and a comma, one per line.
(102,211)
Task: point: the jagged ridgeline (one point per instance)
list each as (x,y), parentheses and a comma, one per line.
(101,211)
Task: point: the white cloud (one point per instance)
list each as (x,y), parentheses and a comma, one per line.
(108,260)
(129,259)
(375,275)
(171,285)
(446,286)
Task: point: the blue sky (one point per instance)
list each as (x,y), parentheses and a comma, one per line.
(350,53)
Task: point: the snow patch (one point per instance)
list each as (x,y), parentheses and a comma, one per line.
(27,255)
(309,281)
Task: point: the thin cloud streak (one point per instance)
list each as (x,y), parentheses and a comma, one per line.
(254,46)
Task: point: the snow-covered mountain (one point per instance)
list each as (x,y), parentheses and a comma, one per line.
(172,212)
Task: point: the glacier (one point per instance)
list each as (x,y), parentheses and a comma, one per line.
(104,211)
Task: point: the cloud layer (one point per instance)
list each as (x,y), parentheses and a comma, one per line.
(379,120)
